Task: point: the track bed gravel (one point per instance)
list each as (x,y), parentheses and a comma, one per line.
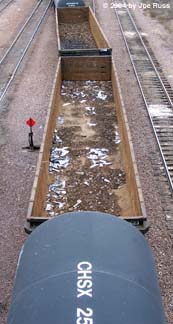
(30,97)
(147,157)
(12,19)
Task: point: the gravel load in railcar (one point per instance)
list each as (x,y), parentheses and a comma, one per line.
(76,36)
(78,32)
(86,168)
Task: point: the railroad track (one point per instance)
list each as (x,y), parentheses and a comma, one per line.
(155,89)
(4,4)
(12,59)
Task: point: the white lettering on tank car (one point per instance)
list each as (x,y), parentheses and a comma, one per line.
(84,316)
(84,289)
(84,279)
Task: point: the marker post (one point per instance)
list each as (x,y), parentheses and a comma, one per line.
(31,122)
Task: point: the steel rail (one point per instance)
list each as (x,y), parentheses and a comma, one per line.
(94,7)
(19,33)
(146,104)
(150,58)
(6,5)
(24,53)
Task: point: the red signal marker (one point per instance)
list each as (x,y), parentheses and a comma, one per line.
(30,122)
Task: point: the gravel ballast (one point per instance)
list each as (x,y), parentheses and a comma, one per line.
(29,98)
(145,149)
(12,19)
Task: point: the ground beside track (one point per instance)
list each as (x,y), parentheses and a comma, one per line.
(30,96)
(12,19)
(158,25)
(145,151)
